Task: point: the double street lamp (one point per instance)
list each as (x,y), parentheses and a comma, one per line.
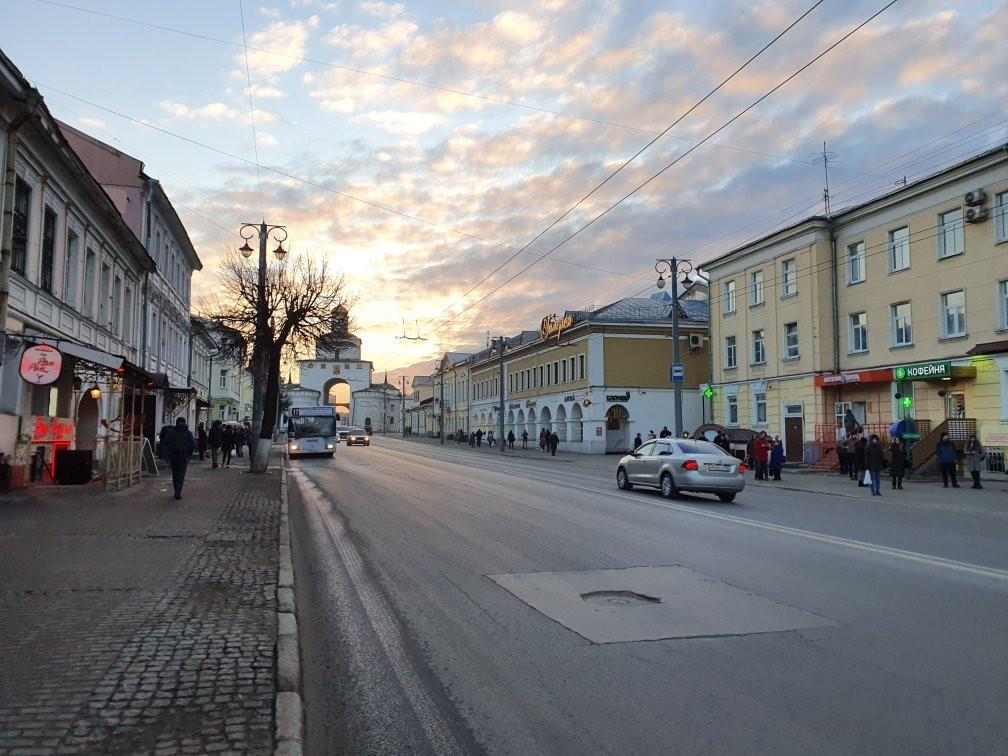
(673,268)
(259,347)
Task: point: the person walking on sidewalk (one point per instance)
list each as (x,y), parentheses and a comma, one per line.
(761,451)
(860,446)
(510,439)
(490,439)
(776,459)
(554,442)
(543,439)
(897,462)
(637,441)
(841,447)
(875,461)
(479,437)
(525,440)
(201,441)
(179,445)
(215,438)
(975,455)
(239,440)
(946,453)
(850,444)
(227,445)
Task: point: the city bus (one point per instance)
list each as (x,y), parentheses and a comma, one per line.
(311,430)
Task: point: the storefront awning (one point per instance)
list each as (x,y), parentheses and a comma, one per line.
(854,376)
(86,353)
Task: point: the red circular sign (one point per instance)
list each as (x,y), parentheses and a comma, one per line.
(41,364)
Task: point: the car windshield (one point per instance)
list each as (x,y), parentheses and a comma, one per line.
(357,431)
(700,447)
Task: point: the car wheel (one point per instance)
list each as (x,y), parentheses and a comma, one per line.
(622,481)
(727,497)
(668,489)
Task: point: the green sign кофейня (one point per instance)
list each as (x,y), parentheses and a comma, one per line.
(923,371)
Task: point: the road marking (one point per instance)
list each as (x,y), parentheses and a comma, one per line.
(383,622)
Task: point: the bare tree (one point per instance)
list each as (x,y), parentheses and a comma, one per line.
(301,295)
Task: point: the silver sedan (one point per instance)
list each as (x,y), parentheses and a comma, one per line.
(673,465)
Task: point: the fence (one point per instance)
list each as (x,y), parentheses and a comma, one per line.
(996,459)
(123,461)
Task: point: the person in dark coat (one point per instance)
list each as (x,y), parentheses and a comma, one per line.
(841,447)
(897,462)
(179,446)
(850,444)
(162,449)
(946,453)
(201,441)
(479,437)
(554,442)
(875,463)
(859,460)
(510,439)
(216,439)
(525,440)
(776,459)
(239,440)
(761,449)
(975,455)
(227,445)
(637,441)
(543,440)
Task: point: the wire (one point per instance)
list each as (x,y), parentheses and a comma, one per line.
(255,140)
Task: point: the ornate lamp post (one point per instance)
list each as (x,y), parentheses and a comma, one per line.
(248,231)
(675,268)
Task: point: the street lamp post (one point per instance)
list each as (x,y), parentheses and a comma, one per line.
(674,268)
(501,345)
(259,347)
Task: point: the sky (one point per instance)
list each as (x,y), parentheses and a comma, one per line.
(435,153)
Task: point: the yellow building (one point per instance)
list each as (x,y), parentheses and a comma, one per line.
(896,310)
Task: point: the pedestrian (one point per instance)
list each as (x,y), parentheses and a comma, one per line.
(472,440)
(650,435)
(897,462)
(162,450)
(761,448)
(179,446)
(946,452)
(554,442)
(841,447)
(776,459)
(637,441)
(722,440)
(227,445)
(860,447)
(239,440)
(201,441)
(458,437)
(479,437)
(875,463)
(665,432)
(490,438)
(975,455)
(510,439)
(525,440)
(543,437)
(216,440)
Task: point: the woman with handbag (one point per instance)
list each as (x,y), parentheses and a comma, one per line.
(897,462)
(975,455)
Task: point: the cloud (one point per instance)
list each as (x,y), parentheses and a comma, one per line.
(382,10)
(278,48)
(94,123)
(215,111)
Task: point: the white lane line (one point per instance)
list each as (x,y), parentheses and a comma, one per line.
(385,626)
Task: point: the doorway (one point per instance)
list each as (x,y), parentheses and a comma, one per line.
(955,404)
(794,433)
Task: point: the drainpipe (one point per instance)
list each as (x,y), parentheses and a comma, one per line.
(149,185)
(835,293)
(32,100)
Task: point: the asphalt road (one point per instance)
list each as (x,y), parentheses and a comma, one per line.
(787,622)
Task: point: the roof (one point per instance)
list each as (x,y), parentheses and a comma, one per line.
(422,380)
(655,308)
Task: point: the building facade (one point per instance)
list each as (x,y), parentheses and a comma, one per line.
(896,310)
(379,408)
(337,371)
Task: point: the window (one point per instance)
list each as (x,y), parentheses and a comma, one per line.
(759,409)
(19,241)
(563,373)
(90,261)
(223,378)
(104,284)
(729,352)
(731,410)
(72,264)
(759,346)
(790,341)
(855,263)
(950,233)
(581,366)
(128,310)
(1001,217)
(1003,304)
(556,373)
(572,373)
(756,287)
(522,376)
(729,297)
(902,329)
(899,249)
(953,310)
(117,305)
(789,278)
(857,336)
(542,380)
(48,249)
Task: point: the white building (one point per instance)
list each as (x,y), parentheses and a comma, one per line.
(337,371)
(378,407)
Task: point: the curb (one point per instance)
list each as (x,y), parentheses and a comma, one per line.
(289,728)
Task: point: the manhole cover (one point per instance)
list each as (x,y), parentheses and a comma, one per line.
(618,598)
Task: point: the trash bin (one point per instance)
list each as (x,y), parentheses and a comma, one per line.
(72,467)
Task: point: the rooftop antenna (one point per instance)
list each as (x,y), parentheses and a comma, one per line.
(826,157)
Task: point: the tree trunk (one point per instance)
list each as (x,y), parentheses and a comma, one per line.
(270,403)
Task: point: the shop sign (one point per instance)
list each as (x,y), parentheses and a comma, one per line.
(552,324)
(923,371)
(618,397)
(860,376)
(515,405)
(569,398)
(41,365)
(995,439)
(49,429)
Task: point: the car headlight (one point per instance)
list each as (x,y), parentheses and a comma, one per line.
(294,447)
(328,446)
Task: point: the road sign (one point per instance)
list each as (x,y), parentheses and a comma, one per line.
(678,372)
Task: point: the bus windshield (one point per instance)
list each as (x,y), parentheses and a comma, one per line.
(318,426)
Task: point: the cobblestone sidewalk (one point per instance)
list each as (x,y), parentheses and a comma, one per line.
(136,623)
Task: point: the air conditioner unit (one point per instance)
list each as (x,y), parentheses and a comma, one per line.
(976,214)
(696,341)
(976,197)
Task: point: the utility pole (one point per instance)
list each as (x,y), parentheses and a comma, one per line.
(402,421)
(674,268)
(384,407)
(441,376)
(500,350)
